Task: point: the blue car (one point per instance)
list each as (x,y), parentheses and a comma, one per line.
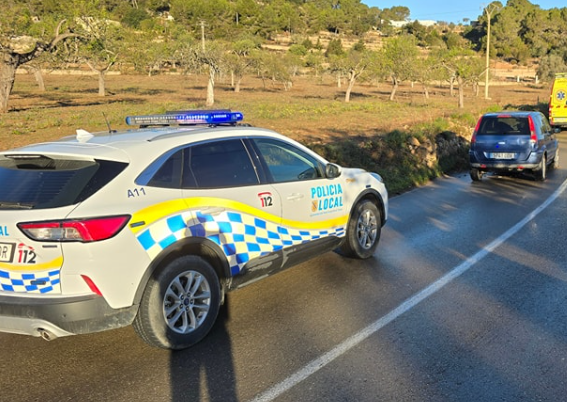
(513,142)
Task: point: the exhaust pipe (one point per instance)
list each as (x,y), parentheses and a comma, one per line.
(46,335)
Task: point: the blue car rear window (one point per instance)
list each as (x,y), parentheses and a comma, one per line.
(496,125)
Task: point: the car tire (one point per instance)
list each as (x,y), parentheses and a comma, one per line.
(476,175)
(363,231)
(180,304)
(541,173)
(555,164)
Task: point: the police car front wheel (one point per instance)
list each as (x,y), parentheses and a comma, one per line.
(180,304)
(363,231)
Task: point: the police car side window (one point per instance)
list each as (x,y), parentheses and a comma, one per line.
(169,174)
(286,162)
(224,163)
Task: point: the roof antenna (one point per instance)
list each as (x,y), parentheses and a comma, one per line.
(110,130)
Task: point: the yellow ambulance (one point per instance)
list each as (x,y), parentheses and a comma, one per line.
(558,101)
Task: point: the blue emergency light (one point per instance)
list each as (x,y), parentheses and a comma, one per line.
(186,117)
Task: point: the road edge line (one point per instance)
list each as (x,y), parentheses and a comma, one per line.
(315,365)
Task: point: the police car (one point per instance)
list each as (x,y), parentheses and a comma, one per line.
(151,226)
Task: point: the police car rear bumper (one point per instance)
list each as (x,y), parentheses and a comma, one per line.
(57,317)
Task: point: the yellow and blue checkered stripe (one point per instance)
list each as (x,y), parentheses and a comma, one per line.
(241,236)
(30,282)
(33,278)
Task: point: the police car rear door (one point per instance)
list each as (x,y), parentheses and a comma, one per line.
(229,205)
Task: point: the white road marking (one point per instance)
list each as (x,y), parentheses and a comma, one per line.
(320,362)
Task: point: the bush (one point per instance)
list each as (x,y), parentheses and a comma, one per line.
(298,50)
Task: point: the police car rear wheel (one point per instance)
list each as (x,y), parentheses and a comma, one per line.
(363,231)
(180,304)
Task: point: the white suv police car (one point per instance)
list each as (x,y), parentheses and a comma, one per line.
(152,226)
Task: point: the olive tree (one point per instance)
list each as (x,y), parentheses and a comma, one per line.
(239,60)
(24,36)
(214,57)
(400,56)
(427,69)
(464,65)
(354,65)
(99,46)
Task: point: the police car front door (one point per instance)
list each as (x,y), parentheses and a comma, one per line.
(313,207)
(314,213)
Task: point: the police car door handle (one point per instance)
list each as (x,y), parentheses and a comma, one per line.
(295,196)
(214,210)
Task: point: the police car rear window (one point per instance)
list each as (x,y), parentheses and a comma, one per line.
(39,182)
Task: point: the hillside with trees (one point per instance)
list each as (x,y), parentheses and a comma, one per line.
(345,39)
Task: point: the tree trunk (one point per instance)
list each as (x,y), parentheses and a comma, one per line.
(425,91)
(8,67)
(237,84)
(350,85)
(101,83)
(100,74)
(461,84)
(38,78)
(211,87)
(394,88)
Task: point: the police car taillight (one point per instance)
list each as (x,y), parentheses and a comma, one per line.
(79,230)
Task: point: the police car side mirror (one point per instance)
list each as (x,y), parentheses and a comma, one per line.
(332,171)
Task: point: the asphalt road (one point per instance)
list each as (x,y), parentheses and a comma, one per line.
(465,300)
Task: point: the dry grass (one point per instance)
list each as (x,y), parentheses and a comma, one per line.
(312,111)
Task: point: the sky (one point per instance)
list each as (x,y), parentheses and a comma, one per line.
(455,11)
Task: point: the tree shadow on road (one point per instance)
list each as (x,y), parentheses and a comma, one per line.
(205,371)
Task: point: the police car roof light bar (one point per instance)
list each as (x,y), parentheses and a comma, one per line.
(186,117)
